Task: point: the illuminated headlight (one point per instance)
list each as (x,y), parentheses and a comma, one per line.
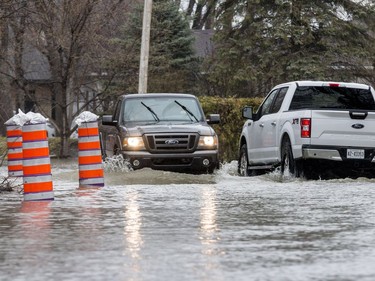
(207,142)
(134,143)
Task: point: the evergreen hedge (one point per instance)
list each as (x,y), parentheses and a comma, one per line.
(229,129)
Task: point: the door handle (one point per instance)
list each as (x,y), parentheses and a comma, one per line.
(261,125)
(273,123)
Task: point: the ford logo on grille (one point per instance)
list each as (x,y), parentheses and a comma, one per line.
(172,141)
(358,126)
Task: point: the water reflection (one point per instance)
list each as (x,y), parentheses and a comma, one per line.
(37,215)
(87,191)
(208,220)
(237,228)
(35,228)
(209,231)
(133,223)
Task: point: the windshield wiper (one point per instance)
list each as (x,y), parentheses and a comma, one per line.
(188,111)
(152,112)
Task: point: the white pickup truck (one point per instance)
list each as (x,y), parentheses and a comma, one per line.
(310,128)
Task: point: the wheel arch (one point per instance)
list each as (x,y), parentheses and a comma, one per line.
(287,132)
(119,142)
(102,145)
(242,141)
(117,146)
(296,166)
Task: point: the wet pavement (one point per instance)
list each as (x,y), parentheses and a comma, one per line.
(153,225)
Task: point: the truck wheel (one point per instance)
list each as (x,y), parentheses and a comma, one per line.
(289,166)
(243,164)
(116,151)
(210,170)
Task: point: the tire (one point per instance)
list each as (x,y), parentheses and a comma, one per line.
(289,166)
(210,170)
(214,168)
(116,151)
(243,162)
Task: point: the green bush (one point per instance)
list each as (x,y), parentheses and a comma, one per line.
(3,145)
(54,147)
(3,149)
(53,144)
(229,129)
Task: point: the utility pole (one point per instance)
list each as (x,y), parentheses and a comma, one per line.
(143,65)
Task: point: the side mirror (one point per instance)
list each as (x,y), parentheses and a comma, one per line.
(247,112)
(213,119)
(107,120)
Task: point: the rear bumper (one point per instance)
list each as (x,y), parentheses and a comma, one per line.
(199,161)
(336,153)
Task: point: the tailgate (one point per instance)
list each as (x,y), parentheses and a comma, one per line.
(343,128)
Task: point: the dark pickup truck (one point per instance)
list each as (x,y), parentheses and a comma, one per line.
(162,132)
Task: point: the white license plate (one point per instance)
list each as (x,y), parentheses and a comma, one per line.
(355,154)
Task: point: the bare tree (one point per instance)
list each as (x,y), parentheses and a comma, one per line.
(12,26)
(5,109)
(202,13)
(68,34)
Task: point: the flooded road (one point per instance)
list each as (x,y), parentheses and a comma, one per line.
(152,225)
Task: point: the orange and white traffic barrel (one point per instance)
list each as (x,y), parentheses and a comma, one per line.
(37,177)
(14,145)
(89,152)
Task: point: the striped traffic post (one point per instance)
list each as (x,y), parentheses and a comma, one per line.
(37,177)
(89,152)
(14,145)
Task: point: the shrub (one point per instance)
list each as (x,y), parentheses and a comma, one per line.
(54,147)
(229,129)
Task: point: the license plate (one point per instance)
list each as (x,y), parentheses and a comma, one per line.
(355,154)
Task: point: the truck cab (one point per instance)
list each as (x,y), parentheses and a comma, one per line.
(161,131)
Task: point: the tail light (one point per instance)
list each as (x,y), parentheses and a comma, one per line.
(334,84)
(305,127)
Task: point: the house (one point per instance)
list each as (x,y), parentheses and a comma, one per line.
(37,94)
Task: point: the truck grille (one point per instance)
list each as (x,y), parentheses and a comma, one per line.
(160,143)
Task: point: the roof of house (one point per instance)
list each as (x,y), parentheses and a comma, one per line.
(35,65)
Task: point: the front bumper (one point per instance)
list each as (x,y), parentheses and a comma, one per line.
(200,161)
(336,153)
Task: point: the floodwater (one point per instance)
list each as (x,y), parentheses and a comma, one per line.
(152,225)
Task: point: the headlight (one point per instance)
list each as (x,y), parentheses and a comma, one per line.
(209,142)
(134,143)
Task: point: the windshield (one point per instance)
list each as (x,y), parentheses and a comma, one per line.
(159,109)
(332,97)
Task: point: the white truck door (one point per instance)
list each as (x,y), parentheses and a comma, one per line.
(263,133)
(273,123)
